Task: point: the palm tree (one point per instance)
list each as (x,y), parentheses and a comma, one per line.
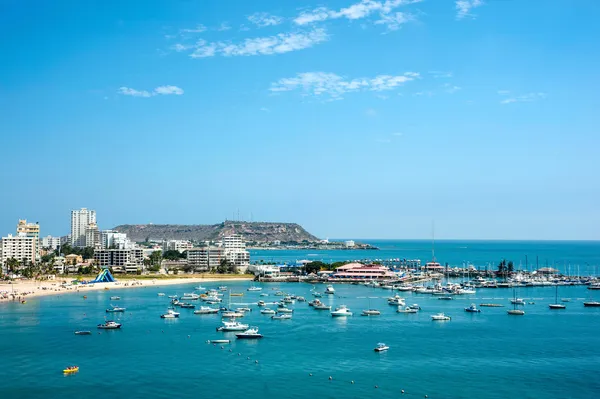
(12,265)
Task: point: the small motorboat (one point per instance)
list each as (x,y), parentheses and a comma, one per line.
(317,294)
(321,307)
(232,326)
(71,370)
(406,309)
(222,288)
(381,347)
(115,298)
(187,305)
(396,300)
(415,306)
(330,290)
(517,301)
(190,297)
(199,288)
(267,311)
(371,312)
(171,314)
(251,333)
(284,316)
(254,289)
(264,294)
(301,299)
(341,311)
(445,298)
(244,310)
(473,309)
(206,310)
(261,303)
(440,317)
(284,310)
(109,325)
(115,309)
(83,332)
(565,299)
(173,296)
(232,314)
(161,294)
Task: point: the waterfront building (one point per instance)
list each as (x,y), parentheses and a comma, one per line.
(50,242)
(92,236)
(205,258)
(20,247)
(349,244)
(111,239)
(265,270)
(119,259)
(358,271)
(176,245)
(80,220)
(30,230)
(235,251)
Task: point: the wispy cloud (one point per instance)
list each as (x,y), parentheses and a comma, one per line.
(160,90)
(525,98)
(504,92)
(198,29)
(383,141)
(223,27)
(440,74)
(360,10)
(278,44)
(450,88)
(424,94)
(333,87)
(263,19)
(397,134)
(265,109)
(464,7)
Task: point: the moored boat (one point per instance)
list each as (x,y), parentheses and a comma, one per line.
(371,312)
(406,309)
(440,317)
(250,333)
(71,370)
(83,332)
(284,316)
(115,309)
(109,325)
(381,347)
(206,310)
(267,311)
(341,311)
(171,314)
(232,326)
(330,290)
(472,309)
(591,304)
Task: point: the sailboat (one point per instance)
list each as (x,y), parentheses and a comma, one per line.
(556,305)
(370,311)
(514,311)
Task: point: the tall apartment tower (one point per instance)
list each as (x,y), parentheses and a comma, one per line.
(80,220)
(30,230)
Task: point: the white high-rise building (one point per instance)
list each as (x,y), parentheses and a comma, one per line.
(80,220)
(51,242)
(177,245)
(114,240)
(21,247)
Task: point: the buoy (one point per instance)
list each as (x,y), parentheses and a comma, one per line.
(310,374)
(426,396)
(376,386)
(188,336)
(330,378)
(222,347)
(248,358)
(402,391)
(352,382)
(230,350)
(239,354)
(256,361)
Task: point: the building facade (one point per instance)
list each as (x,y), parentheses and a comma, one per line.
(177,245)
(111,239)
(205,258)
(20,247)
(80,220)
(51,242)
(92,236)
(119,258)
(30,230)
(235,251)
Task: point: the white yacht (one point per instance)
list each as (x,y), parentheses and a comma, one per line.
(406,309)
(254,288)
(232,314)
(284,310)
(396,301)
(267,311)
(171,314)
(281,316)
(440,317)
(190,297)
(250,333)
(206,310)
(233,326)
(330,290)
(115,309)
(517,301)
(261,303)
(341,311)
(109,325)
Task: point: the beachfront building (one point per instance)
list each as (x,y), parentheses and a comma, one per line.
(31,230)
(121,260)
(110,239)
(205,258)
(176,245)
(269,271)
(358,271)
(80,220)
(20,247)
(235,251)
(92,236)
(50,242)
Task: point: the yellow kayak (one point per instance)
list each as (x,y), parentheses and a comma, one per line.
(70,370)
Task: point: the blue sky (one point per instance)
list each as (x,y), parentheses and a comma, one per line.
(359,119)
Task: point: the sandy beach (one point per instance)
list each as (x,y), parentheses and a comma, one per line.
(25,289)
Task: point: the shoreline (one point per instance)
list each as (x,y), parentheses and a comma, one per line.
(26,289)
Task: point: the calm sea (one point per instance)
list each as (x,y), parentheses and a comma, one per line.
(573,256)
(542,355)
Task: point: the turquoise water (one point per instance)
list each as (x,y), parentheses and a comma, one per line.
(563,255)
(544,354)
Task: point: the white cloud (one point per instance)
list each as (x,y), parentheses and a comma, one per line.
(281,43)
(451,88)
(504,92)
(265,109)
(384,141)
(166,90)
(424,94)
(525,98)
(463,8)
(332,86)
(223,27)
(262,19)
(198,29)
(126,91)
(360,10)
(398,134)
(160,90)
(440,74)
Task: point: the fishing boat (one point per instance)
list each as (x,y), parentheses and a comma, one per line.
(440,317)
(71,370)
(267,311)
(556,305)
(254,288)
(406,309)
(330,290)
(371,312)
(206,310)
(381,347)
(284,316)
(109,325)
(232,326)
(171,314)
(472,309)
(251,333)
(341,311)
(115,309)
(115,298)
(83,332)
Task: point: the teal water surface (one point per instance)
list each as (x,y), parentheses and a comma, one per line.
(544,354)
